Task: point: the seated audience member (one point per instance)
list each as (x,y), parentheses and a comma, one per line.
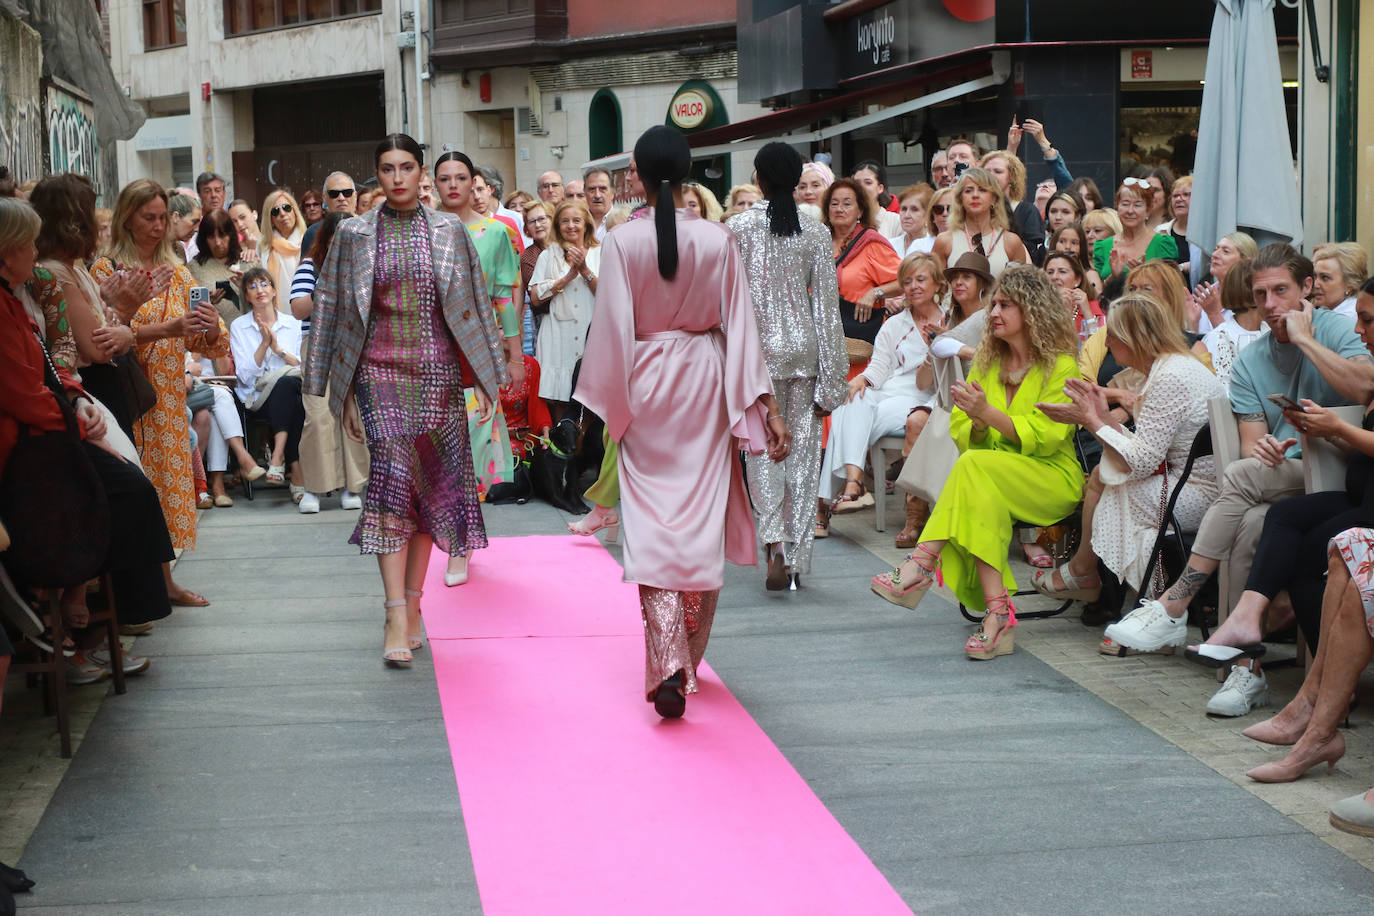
(913,204)
(1230,251)
(1291,556)
(866,264)
(1123,494)
(881,397)
(1308,723)
(139,542)
(330,460)
(218,432)
(978,222)
(1340,270)
(1066,274)
(216,264)
(1018,464)
(1136,242)
(930,456)
(1071,239)
(1307,355)
(267,356)
(1243,326)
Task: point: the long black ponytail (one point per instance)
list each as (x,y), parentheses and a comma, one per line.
(664,159)
(779,169)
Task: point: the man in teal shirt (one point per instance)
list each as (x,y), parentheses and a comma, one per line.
(1309,353)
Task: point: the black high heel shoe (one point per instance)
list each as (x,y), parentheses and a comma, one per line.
(13,879)
(669,702)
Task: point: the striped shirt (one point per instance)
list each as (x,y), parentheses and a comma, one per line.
(303,284)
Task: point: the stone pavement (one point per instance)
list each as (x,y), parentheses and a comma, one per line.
(269,763)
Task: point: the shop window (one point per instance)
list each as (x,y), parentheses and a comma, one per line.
(605,137)
(164,24)
(243,16)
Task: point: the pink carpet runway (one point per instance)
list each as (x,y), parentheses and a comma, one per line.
(577,798)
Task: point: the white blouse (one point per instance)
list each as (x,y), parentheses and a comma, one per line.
(898,351)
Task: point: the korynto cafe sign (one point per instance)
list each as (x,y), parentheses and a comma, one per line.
(907,31)
(690,109)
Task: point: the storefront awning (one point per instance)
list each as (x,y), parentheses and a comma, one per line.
(753,133)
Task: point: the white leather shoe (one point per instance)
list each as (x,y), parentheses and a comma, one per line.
(457,572)
(309,504)
(351,500)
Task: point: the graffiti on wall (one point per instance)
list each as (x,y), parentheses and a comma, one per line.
(72,145)
(21,110)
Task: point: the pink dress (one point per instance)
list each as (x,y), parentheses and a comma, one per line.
(1356,547)
(675,369)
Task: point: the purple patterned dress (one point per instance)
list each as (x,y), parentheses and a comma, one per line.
(410,393)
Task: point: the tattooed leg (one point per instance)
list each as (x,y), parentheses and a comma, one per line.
(1195,575)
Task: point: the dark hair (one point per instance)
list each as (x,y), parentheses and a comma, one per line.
(664,160)
(868,207)
(1079,273)
(1282,256)
(454,155)
(493,179)
(312,194)
(324,236)
(880,173)
(205,178)
(1166,179)
(403,142)
(1086,189)
(8,186)
(1237,288)
(1084,249)
(779,169)
(217,222)
(587,175)
(1368,286)
(66,204)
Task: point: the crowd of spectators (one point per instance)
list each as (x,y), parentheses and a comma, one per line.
(1047,354)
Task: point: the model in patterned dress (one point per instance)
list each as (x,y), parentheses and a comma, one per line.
(401,306)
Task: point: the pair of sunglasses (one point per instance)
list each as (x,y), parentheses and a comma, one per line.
(284,208)
(339,192)
(940,209)
(1135,183)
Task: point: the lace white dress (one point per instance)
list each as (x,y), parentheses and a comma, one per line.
(1225,344)
(1171,410)
(563,332)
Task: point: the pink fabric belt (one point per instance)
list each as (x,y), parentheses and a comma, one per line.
(680,334)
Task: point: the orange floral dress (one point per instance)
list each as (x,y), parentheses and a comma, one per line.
(163,435)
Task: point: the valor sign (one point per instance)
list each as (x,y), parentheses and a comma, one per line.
(690,108)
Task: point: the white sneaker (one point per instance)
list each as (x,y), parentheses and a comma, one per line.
(1243,691)
(1116,650)
(351,500)
(133,664)
(1148,628)
(309,504)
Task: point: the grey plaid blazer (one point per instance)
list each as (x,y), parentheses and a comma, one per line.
(343,300)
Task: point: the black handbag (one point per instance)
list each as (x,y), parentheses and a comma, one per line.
(53,504)
(139,393)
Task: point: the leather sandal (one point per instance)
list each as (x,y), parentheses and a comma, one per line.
(891,586)
(1073,590)
(417,640)
(400,656)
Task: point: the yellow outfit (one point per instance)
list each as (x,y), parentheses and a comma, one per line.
(997,481)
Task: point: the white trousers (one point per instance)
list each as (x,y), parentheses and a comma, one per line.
(224,425)
(854,427)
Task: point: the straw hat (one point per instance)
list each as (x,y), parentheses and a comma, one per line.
(972,262)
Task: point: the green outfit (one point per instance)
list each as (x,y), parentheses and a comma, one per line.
(1160,246)
(500,268)
(606,491)
(996,481)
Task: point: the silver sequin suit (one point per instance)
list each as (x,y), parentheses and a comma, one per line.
(796,300)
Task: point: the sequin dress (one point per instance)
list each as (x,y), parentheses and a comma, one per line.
(409,389)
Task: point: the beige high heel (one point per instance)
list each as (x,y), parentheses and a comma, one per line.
(399,657)
(890,587)
(417,640)
(1286,770)
(979,647)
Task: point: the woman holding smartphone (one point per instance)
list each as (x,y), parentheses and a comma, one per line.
(165,326)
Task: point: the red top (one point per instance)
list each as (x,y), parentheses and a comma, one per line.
(524,409)
(24,397)
(516,240)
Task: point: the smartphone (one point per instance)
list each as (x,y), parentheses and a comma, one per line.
(1284,402)
(199,294)
(960,168)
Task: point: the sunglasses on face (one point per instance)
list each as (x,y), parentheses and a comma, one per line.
(339,192)
(284,208)
(940,209)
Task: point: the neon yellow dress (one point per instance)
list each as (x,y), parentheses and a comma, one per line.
(997,481)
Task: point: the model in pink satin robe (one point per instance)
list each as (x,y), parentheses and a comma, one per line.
(675,369)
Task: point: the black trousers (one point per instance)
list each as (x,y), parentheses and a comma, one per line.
(139,542)
(284,410)
(105,383)
(1292,551)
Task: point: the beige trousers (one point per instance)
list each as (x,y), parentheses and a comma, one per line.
(329,459)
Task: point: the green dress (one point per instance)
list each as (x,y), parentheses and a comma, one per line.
(492,458)
(1159,246)
(997,481)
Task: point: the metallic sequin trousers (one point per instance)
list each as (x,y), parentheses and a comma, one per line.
(784,493)
(677,626)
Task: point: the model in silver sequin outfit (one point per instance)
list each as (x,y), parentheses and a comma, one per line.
(793,283)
